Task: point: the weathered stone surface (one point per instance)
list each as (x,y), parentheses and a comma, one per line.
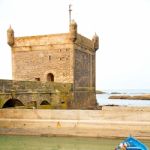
(108,122)
(63,58)
(42,55)
(29,94)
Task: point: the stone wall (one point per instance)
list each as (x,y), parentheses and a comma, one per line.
(84,76)
(85,42)
(32,93)
(36,56)
(41,40)
(108,122)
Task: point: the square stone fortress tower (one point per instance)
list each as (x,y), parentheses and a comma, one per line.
(63,58)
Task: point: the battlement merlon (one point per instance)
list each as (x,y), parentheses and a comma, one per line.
(10,36)
(52,39)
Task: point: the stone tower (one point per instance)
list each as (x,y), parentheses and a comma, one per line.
(63,58)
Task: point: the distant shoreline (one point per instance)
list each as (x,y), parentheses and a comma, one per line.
(129,97)
(100,92)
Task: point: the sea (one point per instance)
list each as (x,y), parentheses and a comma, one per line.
(102,99)
(17,142)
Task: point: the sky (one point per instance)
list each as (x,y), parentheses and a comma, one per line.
(123,26)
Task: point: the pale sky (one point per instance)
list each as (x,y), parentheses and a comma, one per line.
(123,26)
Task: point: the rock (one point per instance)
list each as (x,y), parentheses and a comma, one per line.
(136,97)
(99,92)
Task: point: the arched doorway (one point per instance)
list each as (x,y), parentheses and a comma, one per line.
(44,102)
(50,77)
(12,103)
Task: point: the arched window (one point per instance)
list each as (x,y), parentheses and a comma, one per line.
(50,77)
(12,103)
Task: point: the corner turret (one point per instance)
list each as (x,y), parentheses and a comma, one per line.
(95,40)
(73,31)
(10,36)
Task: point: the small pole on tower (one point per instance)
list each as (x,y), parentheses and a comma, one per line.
(70,13)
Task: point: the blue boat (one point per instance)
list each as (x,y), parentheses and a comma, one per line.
(131,144)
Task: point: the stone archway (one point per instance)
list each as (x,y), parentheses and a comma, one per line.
(12,103)
(45,103)
(50,77)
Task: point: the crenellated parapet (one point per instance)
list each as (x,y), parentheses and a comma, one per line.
(81,40)
(84,42)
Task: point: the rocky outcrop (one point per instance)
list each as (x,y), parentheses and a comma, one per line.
(137,97)
(99,92)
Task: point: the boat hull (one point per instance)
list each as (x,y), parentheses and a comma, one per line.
(131,144)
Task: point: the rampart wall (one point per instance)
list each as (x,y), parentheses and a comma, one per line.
(28,94)
(108,122)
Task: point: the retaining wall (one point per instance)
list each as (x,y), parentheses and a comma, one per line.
(108,122)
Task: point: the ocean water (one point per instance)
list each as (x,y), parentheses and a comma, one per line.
(58,143)
(102,99)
